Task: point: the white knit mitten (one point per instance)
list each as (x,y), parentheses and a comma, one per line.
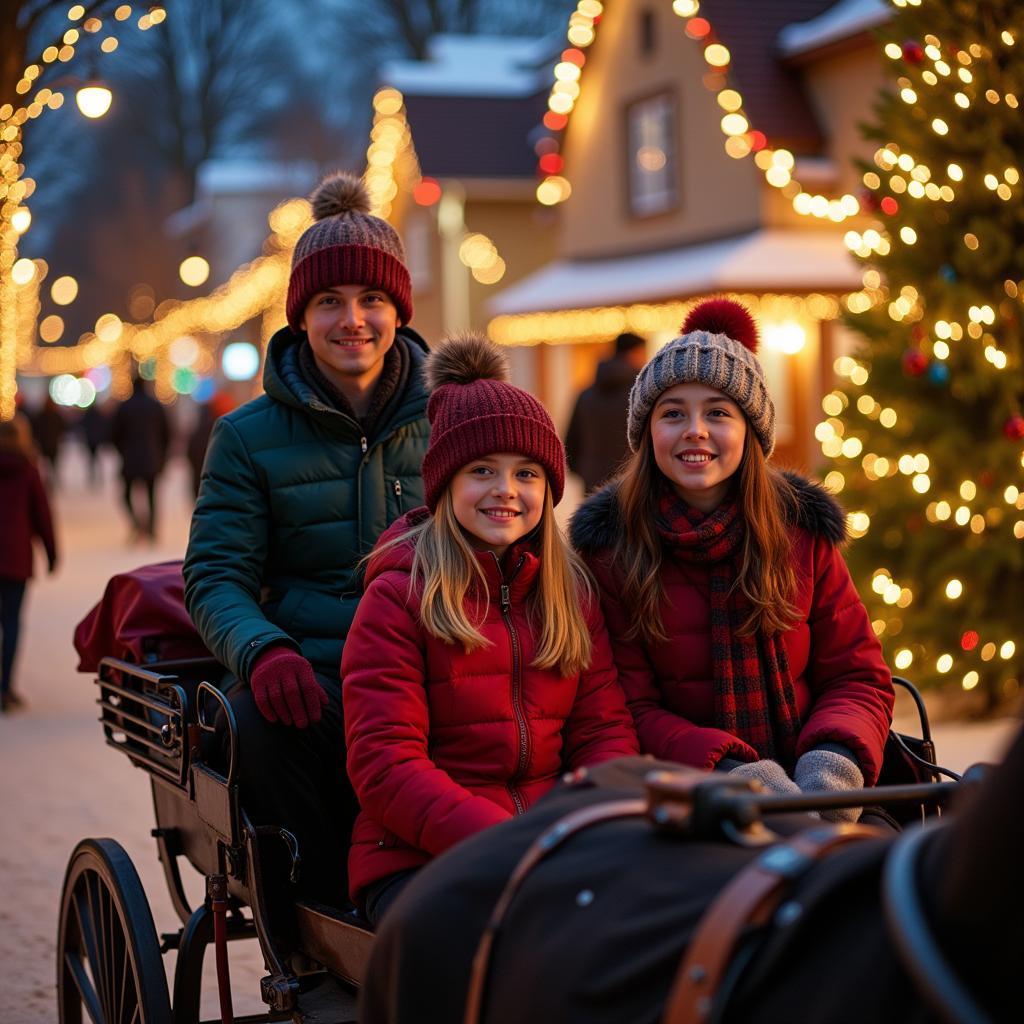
(770,774)
(825,769)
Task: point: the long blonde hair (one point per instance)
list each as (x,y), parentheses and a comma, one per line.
(446,572)
(766,576)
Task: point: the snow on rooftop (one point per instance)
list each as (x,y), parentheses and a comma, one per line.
(842,20)
(463,65)
(251,174)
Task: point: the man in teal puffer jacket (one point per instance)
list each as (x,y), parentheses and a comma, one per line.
(296,488)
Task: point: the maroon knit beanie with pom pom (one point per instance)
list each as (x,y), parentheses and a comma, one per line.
(347,245)
(716,348)
(474,411)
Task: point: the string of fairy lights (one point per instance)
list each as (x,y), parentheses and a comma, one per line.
(20,278)
(392,169)
(741,139)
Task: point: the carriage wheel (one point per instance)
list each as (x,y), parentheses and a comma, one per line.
(108,957)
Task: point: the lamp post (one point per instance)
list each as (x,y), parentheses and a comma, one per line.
(93,100)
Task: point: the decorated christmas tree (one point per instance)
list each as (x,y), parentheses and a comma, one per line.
(926,428)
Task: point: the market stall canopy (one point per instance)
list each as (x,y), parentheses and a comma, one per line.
(763,261)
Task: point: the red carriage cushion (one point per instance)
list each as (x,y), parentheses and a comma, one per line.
(140,618)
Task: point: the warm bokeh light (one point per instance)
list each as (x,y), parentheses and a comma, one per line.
(194,271)
(94,100)
(64,290)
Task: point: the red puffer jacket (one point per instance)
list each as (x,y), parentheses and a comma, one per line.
(843,688)
(26,514)
(441,743)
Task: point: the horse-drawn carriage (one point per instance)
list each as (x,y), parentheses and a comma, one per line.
(160,714)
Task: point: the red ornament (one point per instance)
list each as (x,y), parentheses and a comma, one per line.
(913,52)
(915,362)
(868,201)
(889,206)
(1013,428)
(969,640)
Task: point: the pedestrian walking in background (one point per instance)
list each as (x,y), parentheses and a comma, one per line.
(595,444)
(141,433)
(740,639)
(207,414)
(297,486)
(95,428)
(26,514)
(48,426)
(478,668)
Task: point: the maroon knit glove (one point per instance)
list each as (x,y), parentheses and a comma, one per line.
(285,688)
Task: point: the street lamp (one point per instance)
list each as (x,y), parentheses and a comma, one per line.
(93,99)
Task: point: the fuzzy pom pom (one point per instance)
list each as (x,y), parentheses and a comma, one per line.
(339,193)
(464,358)
(723,316)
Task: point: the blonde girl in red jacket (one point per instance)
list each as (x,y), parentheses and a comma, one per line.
(477,668)
(740,640)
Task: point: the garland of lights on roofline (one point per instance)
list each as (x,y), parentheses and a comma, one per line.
(741,140)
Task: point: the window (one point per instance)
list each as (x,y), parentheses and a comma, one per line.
(651,141)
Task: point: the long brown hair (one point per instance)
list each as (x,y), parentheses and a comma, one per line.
(445,570)
(766,576)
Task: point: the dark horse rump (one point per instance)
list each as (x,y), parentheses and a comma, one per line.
(596,932)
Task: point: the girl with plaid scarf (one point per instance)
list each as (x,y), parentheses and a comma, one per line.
(740,639)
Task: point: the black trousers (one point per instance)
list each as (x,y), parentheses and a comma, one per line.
(295,779)
(12,593)
(142,525)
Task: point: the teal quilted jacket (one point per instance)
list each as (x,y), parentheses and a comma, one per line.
(292,497)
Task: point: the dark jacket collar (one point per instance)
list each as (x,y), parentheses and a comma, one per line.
(284,380)
(597,522)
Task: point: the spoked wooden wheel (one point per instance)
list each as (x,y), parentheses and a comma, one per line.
(108,957)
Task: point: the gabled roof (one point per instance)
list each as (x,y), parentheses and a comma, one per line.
(473,104)
(846,20)
(772,94)
(475,137)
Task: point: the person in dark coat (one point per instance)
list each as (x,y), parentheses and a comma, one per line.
(26,515)
(297,486)
(740,639)
(595,444)
(95,427)
(460,710)
(48,427)
(141,433)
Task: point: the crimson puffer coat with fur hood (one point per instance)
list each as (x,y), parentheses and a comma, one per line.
(843,688)
(443,743)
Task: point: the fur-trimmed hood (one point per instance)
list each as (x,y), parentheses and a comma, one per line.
(597,522)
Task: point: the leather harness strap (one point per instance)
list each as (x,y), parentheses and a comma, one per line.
(549,840)
(748,901)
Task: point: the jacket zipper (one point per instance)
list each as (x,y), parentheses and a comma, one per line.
(517,690)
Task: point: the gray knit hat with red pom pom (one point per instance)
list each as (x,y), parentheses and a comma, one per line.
(347,245)
(716,348)
(474,411)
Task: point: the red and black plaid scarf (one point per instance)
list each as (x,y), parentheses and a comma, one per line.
(754,697)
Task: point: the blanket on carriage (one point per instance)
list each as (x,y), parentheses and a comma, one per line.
(140,618)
